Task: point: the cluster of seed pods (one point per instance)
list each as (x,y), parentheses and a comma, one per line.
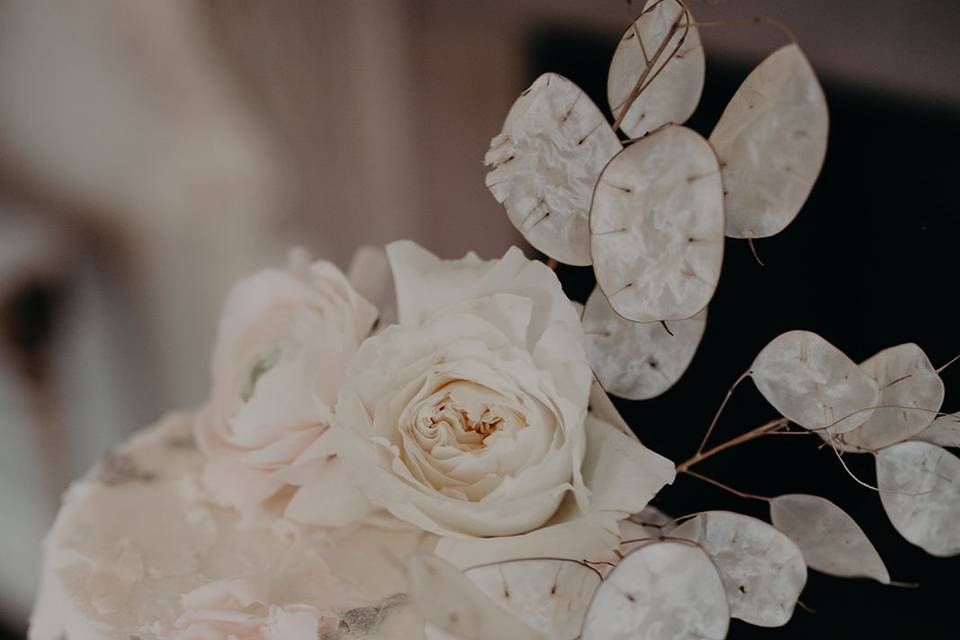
(650,212)
(650,209)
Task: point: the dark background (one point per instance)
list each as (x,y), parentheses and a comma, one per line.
(870,262)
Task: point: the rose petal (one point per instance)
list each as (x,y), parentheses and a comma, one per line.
(622,476)
(328,498)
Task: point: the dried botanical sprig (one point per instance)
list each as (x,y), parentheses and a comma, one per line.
(944,431)
(763,571)
(831,541)
(771,140)
(656,74)
(906,379)
(920,491)
(549,594)
(656,226)
(658,213)
(452,604)
(668,589)
(554,143)
(636,360)
(814,384)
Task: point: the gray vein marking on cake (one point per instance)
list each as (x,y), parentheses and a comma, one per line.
(184,442)
(118,468)
(362,621)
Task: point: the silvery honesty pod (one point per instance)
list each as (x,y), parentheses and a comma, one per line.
(656,227)
(920,490)
(771,140)
(452,604)
(906,379)
(662,590)
(763,571)
(831,541)
(944,431)
(658,68)
(814,384)
(550,595)
(545,163)
(638,360)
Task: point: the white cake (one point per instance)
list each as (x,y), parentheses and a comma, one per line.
(137,552)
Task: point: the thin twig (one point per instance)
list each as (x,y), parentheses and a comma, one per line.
(723,404)
(642,81)
(753,250)
(829,426)
(660,538)
(850,473)
(806,607)
(753,434)
(903,585)
(952,360)
(789,433)
(726,487)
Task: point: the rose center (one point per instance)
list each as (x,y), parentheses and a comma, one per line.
(466,416)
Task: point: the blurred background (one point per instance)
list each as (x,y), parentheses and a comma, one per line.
(153,152)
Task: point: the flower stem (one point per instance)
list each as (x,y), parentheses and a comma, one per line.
(753,434)
(723,405)
(726,487)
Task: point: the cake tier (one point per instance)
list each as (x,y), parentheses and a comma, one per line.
(137,552)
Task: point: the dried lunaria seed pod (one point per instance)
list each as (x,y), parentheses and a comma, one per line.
(662,590)
(549,595)
(919,487)
(642,528)
(452,604)
(658,67)
(815,385)
(554,143)
(906,379)
(944,431)
(771,140)
(656,226)
(637,360)
(831,541)
(634,535)
(763,571)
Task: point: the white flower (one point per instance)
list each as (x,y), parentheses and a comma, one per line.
(234,609)
(285,337)
(469,417)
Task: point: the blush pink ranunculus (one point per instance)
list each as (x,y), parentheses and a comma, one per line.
(284,339)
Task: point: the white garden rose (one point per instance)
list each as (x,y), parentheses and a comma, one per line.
(469,418)
(284,340)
